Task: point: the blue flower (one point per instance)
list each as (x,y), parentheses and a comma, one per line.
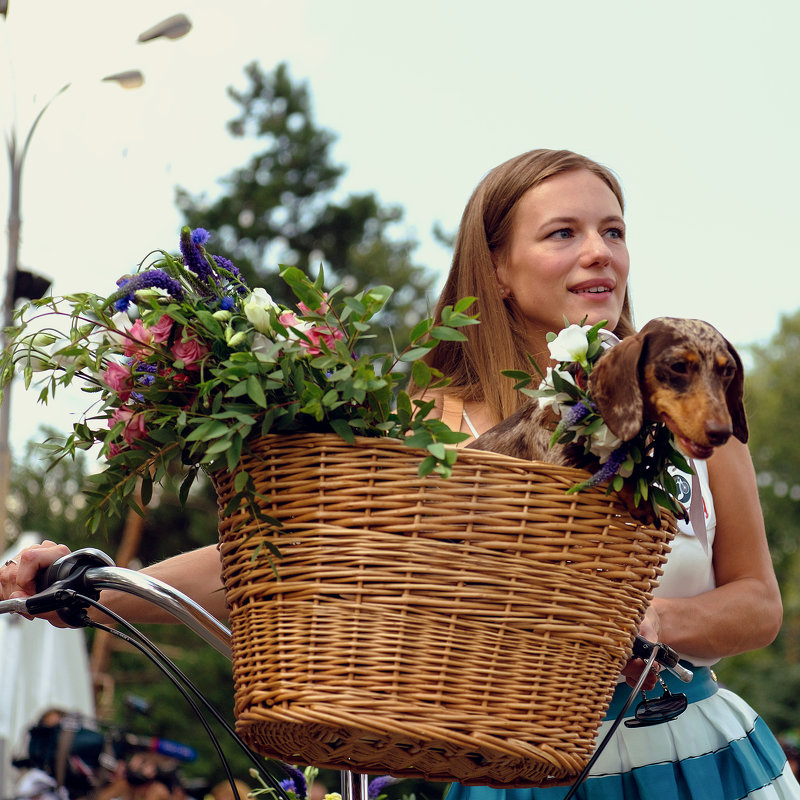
(227,303)
(200,236)
(297,782)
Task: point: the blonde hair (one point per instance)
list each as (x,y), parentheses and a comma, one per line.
(498,343)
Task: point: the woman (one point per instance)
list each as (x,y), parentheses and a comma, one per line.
(541,239)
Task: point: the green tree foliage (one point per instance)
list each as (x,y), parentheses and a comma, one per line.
(280,207)
(770,678)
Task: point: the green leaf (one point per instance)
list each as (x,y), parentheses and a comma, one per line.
(344,430)
(255,392)
(448,334)
(415,353)
(421,373)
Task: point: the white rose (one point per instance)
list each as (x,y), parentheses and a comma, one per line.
(603,443)
(570,345)
(257,307)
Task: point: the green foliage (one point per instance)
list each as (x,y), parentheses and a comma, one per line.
(280,208)
(208,365)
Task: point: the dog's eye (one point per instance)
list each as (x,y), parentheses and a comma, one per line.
(728,371)
(679,367)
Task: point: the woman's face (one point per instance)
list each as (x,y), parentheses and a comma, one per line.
(566,255)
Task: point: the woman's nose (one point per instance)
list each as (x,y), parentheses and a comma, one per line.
(595,251)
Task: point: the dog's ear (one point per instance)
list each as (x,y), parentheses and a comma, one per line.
(734,398)
(614,385)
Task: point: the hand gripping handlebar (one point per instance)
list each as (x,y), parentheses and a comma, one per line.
(665,655)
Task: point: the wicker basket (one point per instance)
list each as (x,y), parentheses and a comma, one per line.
(467,629)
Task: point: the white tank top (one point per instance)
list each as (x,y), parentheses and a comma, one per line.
(689,570)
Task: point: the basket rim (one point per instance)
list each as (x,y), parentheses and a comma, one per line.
(467,457)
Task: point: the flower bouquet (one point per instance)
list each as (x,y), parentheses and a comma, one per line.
(188,365)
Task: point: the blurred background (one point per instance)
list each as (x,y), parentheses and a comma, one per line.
(353,133)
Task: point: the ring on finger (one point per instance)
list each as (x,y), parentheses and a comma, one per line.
(9,562)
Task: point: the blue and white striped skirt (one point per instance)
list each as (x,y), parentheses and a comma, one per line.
(718,749)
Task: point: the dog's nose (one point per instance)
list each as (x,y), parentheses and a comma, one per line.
(718,432)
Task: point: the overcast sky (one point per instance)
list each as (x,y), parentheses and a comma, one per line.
(693,104)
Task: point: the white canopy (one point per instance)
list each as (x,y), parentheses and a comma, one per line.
(40,667)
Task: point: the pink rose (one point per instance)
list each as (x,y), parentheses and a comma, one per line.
(133,421)
(138,342)
(189,352)
(323,309)
(162,329)
(321,333)
(118,377)
(288,319)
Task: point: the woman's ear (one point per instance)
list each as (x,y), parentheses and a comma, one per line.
(500,274)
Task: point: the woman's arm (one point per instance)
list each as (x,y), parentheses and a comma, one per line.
(196,573)
(744,611)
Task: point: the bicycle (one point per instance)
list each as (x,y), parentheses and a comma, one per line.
(73,583)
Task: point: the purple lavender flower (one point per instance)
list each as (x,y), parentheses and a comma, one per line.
(608,470)
(377,786)
(571,417)
(193,257)
(576,414)
(144,280)
(228,266)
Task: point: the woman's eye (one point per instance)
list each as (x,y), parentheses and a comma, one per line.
(615,233)
(561,233)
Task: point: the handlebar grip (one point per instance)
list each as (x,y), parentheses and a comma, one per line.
(665,656)
(63,578)
(69,568)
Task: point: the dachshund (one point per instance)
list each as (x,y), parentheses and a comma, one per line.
(681,372)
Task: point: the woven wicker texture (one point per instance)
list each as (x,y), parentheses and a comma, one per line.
(467,629)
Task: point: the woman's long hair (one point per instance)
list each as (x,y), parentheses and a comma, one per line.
(499,341)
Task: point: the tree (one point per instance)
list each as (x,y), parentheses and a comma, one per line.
(279,207)
(770,678)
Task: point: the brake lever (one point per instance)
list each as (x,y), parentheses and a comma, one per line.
(665,655)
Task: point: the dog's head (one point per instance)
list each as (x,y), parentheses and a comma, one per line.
(682,372)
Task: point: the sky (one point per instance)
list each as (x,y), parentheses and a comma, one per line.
(693,105)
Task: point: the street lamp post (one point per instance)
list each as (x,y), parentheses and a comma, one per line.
(172,28)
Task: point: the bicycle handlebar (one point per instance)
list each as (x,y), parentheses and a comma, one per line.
(87,571)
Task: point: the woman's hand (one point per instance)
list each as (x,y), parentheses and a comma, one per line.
(18,576)
(649,629)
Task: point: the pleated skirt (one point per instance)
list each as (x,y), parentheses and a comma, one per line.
(718,749)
